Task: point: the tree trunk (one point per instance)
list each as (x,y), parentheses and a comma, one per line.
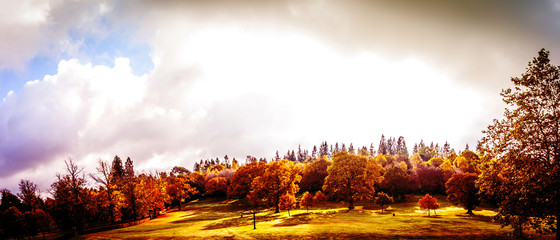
(351,201)
(254,221)
(470,212)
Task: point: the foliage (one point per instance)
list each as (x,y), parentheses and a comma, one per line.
(383,199)
(314,174)
(279,178)
(429,179)
(14,222)
(396,180)
(428,202)
(352,177)
(319,197)
(242,178)
(287,202)
(525,174)
(217,187)
(306,201)
(461,190)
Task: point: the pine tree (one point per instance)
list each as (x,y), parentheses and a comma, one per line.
(117,170)
(382,145)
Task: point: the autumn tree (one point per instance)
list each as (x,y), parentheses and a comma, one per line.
(428,202)
(179,189)
(314,174)
(287,202)
(29,195)
(319,197)
(217,187)
(526,146)
(109,187)
(14,223)
(352,177)
(70,198)
(461,190)
(383,199)
(396,180)
(279,178)
(242,178)
(306,201)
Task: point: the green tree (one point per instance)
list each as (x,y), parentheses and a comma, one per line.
(352,177)
(526,148)
(461,190)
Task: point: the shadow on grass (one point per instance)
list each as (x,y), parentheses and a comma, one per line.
(238,221)
(295,220)
(480,218)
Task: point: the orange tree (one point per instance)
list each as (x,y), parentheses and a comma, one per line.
(383,199)
(314,174)
(217,187)
(279,178)
(241,181)
(525,145)
(287,202)
(461,190)
(306,200)
(428,202)
(351,177)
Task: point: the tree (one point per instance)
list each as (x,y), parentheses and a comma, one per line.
(179,190)
(279,178)
(383,199)
(396,180)
(70,198)
(352,177)
(526,148)
(29,195)
(177,170)
(287,202)
(9,200)
(319,197)
(105,178)
(217,187)
(461,190)
(117,170)
(240,184)
(383,148)
(428,202)
(306,200)
(314,174)
(14,223)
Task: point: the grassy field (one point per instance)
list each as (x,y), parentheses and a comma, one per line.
(213,219)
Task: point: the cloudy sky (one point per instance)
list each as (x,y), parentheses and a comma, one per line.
(170,83)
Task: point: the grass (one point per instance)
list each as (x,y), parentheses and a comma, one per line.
(212,219)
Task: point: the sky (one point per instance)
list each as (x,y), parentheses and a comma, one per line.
(168,83)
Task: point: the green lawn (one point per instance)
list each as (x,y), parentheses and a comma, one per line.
(211,219)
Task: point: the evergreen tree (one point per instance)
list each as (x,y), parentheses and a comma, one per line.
(117,169)
(382,149)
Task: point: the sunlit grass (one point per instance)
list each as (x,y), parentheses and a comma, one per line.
(222,220)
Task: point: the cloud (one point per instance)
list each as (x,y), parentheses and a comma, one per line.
(253,77)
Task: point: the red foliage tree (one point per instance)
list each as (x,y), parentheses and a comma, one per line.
(428,202)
